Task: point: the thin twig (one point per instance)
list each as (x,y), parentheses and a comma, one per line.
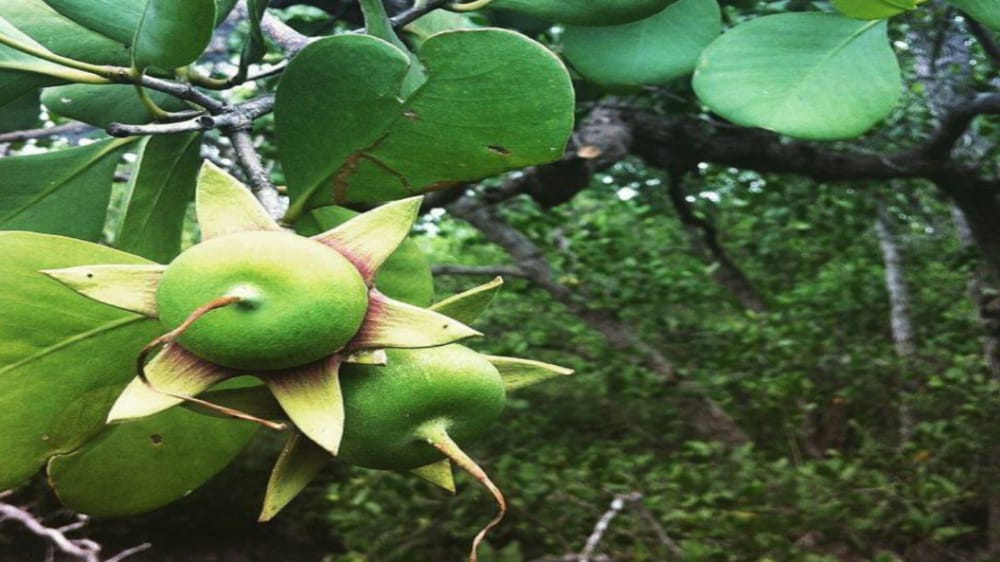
(985,38)
(237,117)
(81,549)
(29,134)
(129,552)
(487,270)
(415,12)
(260,179)
(597,535)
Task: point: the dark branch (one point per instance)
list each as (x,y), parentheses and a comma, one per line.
(414,13)
(706,417)
(70,129)
(705,238)
(258,176)
(485,270)
(238,117)
(985,38)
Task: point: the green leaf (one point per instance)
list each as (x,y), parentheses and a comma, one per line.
(873,9)
(116,19)
(162,186)
(101,105)
(434,22)
(61,351)
(808,75)
(172,33)
(585,12)
(256,44)
(119,19)
(21,113)
(64,192)
(62,35)
(655,50)
(405,276)
(493,101)
(986,12)
(21,73)
(151,462)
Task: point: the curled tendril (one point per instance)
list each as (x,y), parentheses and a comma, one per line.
(469,6)
(170,337)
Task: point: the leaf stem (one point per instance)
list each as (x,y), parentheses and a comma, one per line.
(47,55)
(469,6)
(378,24)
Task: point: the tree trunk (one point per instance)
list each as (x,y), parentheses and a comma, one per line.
(983,288)
(900,318)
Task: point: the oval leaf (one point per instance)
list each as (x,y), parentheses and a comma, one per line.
(152,462)
(117,19)
(986,12)
(172,33)
(808,75)
(873,9)
(64,192)
(585,12)
(161,189)
(62,35)
(105,104)
(61,351)
(493,101)
(655,50)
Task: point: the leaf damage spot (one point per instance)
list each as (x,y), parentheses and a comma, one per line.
(497,149)
(156,439)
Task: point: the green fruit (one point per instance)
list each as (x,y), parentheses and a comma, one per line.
(585,12)
(392,411)
(300,300)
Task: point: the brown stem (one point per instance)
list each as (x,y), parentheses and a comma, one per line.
(437,436)
(171,337)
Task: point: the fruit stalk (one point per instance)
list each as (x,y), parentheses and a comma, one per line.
(437,435)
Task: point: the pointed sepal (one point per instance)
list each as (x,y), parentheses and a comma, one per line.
(226,206)
(298,464)
(392,323)
(129,287)
(519,373)
(440,474)
(173,371)
(370,238)
(468,305)
(311,397)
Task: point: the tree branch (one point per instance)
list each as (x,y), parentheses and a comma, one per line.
(705,239)
(84,550)
(703,414)
(415,13)
(487,270)
(985,38)
(236,117)
(258,176)
(69,129)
